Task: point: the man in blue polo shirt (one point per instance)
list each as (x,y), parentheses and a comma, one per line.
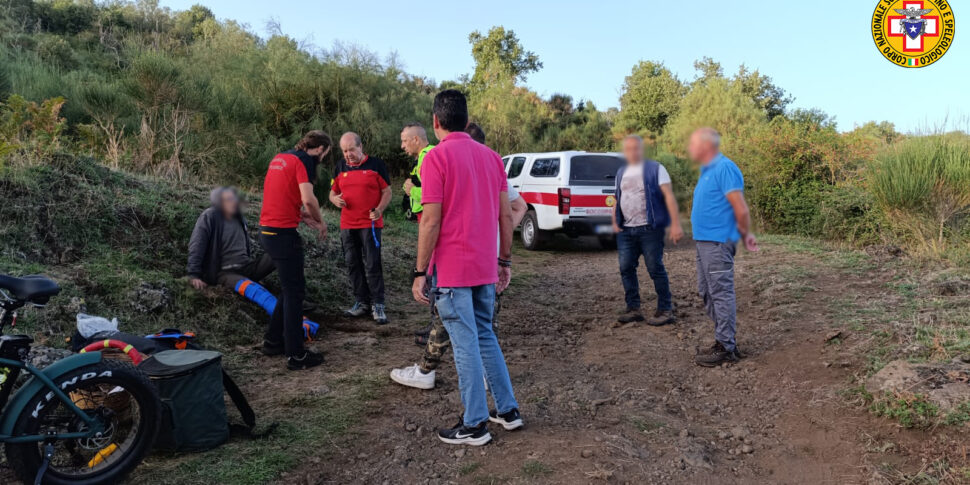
(719,218)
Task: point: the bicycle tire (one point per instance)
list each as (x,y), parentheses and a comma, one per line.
(26,458)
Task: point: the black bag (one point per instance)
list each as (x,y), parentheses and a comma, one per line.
(143,345)
(191,384)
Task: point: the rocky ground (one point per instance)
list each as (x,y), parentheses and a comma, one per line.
(625,404)
(606,403)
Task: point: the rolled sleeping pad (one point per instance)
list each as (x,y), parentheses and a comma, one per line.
(254,292)
(310,328)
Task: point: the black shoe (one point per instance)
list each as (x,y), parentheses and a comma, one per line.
(661,318)
(270,349)
(463,435)
(715,356)
(510,421)
(307,360)
(631,315)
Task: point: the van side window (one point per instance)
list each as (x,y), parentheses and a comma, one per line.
(545,167)
(515,168)
(505,162)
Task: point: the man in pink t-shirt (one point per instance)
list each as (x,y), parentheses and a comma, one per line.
(466,202)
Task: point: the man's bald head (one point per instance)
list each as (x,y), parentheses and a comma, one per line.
(352,148)
(413,139)
(704,145)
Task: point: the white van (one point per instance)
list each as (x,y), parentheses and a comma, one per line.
(567,192)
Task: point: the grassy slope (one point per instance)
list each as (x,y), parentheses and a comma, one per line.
(111,239)
(106,236)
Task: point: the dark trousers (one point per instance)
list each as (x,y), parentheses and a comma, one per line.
(364,264)
(286,323)
(646,241)
(255,270)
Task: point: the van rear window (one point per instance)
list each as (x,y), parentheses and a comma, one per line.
(594,170)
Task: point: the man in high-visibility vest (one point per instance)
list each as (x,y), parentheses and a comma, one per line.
(414,142)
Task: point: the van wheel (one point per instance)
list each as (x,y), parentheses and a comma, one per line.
(608,242)
(532,237)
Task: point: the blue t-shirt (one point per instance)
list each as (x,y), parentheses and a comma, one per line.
(711,216)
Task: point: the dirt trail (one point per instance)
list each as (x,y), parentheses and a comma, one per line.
(626,404)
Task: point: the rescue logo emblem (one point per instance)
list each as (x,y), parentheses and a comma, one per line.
(913,33)
(610,201)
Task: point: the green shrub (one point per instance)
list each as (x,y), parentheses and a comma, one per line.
(922,186)
(683,177)
(848,213)
(57,51)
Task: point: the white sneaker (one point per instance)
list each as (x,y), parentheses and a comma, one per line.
(413,377)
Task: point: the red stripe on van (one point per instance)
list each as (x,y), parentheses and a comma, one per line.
(540,198)
(547,198)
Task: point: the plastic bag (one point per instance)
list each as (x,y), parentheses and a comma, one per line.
(88,325)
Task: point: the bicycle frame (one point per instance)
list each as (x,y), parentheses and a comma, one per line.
(13,368)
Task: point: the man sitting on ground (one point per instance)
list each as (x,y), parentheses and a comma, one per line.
(219,250)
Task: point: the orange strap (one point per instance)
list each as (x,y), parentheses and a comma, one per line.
(243,286)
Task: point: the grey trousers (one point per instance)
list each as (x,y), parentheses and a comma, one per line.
(715,283)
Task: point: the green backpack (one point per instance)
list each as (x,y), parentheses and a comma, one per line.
(191,385)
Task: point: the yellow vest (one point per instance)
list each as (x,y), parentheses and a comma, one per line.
(416,172)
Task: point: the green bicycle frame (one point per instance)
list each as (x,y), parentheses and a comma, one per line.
(44,379)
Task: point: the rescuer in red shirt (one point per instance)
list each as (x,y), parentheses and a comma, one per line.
(288,200)
(361,189)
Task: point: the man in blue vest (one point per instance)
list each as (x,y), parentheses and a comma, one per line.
(645,207)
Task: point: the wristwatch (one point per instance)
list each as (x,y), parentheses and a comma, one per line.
(418,274)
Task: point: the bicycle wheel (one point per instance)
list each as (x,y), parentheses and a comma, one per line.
(116,394)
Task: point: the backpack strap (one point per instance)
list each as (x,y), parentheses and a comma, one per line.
(248,416)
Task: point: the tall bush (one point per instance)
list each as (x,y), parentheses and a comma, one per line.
(923,187)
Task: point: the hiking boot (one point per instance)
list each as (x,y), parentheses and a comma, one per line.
(307,360)
(270,349)
(631,315)
(413,377)
(715,355)
(510,421)
(464,435)
(379,314)
(358,310)
(661,318)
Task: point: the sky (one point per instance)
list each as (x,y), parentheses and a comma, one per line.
(822,54)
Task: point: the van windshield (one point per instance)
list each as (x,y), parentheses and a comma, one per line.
(594,169)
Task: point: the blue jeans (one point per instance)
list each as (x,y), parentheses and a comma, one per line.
(467,315)
(646,241)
